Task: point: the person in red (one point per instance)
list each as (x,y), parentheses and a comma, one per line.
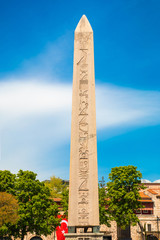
(62,229)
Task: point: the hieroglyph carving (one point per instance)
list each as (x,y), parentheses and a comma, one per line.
(83,190)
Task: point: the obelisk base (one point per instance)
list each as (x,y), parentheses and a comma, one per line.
(84,236)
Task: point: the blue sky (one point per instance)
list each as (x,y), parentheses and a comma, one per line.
(36,65)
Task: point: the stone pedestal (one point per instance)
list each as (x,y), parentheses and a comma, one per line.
(84,236)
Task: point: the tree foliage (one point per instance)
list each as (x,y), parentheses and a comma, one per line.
(37,211)
(59,189)
(8,208)
(103,212)
(56,186)
(8,212)
(64,201)
(7,181)
(123,195)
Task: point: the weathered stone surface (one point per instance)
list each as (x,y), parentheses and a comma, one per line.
(84,236)
(83,189)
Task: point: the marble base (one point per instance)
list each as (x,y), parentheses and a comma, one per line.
(84,236)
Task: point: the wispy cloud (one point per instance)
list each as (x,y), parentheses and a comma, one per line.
(54,60)
(31,98)
(118,106)
(36,117)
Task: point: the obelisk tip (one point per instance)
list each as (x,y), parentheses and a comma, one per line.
(83,25)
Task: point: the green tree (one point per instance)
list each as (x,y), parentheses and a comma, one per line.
(7,181)
(64,201)
(37,211)
(103,211)
(123,195)
(8,213)
(56,186)
(59,189)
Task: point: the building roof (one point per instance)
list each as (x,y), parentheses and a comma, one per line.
(57,199)
(152,191)
(144,196)
(146,200)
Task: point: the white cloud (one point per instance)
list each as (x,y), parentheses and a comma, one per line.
(31,98)
(51,61)
(115,105)
(118,106)
(36,117)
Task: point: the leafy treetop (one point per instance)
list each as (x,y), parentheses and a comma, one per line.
(8,212)
(56,187)
(7,181)
(123,195)
(103,212)
(37,211)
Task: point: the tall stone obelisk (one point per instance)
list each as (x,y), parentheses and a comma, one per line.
(83,187)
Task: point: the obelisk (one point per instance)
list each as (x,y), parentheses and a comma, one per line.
(83,186)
